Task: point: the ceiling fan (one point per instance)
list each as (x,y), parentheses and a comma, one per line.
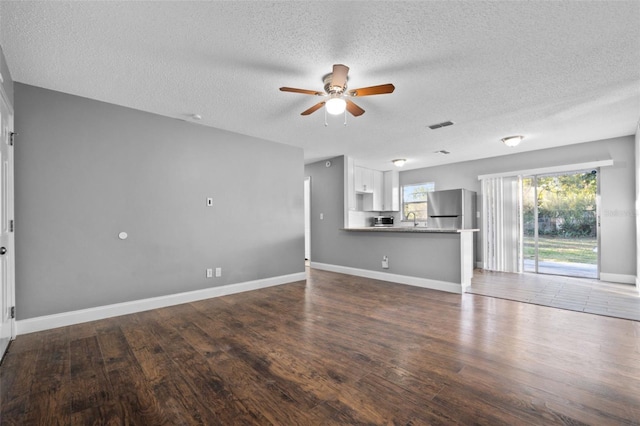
(336,94)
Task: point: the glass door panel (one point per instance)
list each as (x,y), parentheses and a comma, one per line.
(560,224)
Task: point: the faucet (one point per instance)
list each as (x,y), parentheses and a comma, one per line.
(414,218)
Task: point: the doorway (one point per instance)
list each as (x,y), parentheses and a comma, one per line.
(560,223)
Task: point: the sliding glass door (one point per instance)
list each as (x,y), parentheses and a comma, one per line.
(560,223)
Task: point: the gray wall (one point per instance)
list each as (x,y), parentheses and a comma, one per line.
(87,170)
(618,244)
(617,188)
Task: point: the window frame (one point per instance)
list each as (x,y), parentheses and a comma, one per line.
(431,186)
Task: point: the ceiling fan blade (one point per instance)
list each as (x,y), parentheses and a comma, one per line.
(303,91)
(372,90)
(313,108)
(354,109)
(339,77)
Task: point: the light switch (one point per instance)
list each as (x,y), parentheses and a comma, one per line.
(321,216)
(209,202)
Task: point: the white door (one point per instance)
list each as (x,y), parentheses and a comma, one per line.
(7,258)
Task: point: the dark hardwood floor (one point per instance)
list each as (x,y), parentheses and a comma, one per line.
(335,349)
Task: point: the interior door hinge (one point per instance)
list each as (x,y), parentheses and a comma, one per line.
(12,137)
(13,312)
(11,225)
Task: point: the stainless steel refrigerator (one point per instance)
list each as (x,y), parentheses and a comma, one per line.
(451,209)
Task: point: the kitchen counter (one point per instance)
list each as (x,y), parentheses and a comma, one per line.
(408,229)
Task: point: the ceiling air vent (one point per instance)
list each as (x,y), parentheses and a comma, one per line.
(439,125)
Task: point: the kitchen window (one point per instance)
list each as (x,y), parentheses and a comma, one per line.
(414,201)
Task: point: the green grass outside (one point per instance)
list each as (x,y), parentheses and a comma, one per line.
(559,249)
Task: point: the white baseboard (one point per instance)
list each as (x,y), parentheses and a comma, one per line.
(47,322)
(618,278)
(394,278)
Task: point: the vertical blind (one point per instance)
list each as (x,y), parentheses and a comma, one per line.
(502,223)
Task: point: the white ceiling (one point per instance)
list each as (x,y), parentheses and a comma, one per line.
(559,72)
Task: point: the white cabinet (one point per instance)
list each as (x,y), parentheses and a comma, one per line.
(391,191)
(363,179)
(372,201)
(378,191)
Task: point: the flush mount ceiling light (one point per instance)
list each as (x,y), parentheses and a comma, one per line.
(512,141)
(399,162)
(336,105)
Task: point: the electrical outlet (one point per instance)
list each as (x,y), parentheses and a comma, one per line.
(385,262)
(209,273)
(218,272)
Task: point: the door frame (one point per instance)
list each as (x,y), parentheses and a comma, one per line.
(8,314)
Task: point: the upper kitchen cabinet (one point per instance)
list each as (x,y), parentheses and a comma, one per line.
(363,179)
(378,190)
(373,201)
(391,191)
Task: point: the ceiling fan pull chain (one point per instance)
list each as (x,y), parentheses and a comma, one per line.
(325,118)
(345,118)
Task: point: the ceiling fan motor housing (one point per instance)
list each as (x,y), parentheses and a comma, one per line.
(327,80)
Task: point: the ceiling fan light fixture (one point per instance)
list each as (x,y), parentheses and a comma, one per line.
(399,162)
(336,106)
(512,141)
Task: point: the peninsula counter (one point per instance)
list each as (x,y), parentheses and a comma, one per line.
(440,259)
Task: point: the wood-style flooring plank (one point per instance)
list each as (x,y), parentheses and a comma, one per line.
(223,407)
(179,397)
(50,395)
(16,379)
(89,383)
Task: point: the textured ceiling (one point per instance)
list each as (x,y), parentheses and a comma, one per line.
(557,72)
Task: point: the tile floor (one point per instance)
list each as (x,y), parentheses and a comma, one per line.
(575,294)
